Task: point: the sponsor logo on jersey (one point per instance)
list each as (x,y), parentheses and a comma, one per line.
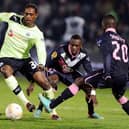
(54,55)
(27,34)
(10,33)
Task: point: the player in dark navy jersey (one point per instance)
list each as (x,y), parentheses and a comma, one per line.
(115,56)
(68,61)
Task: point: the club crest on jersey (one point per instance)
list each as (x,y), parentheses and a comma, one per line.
(54,55)
(27,34)
(10,33)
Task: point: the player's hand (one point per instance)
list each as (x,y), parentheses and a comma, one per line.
(41,67)
(30,89)
(66,69)
(91,93)
(93,99)
(92,96)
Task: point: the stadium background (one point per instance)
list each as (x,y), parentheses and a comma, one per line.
(52,14)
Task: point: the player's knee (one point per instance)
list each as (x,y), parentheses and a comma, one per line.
(43,83)
(79,81)
(6,70)
(54,78)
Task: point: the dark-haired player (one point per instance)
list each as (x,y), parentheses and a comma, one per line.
(115,57)
(21,35)
(71,62)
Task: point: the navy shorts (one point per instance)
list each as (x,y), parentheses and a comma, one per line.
(66,78)
(119,86)
(27,67)
(93,78)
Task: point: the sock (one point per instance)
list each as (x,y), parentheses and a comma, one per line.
(53,112)
(13,85)
(90,106)
(123,100)
(67,93)
(125,107)
(50,95)
(40,107)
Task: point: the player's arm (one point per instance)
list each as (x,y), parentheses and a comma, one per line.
(60,61)
(41,50)
(5,16)
(30,88)
(87,64)
(106,53)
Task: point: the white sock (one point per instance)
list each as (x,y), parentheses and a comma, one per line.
(13,84)
(49,93)
(53,112)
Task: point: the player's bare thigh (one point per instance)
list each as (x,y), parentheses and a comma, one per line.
(6,70)
(41,79)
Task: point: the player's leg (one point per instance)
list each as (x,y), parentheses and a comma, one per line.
(40,78)
(69,92)
(12,83)
(118,90)
(53,79)
(30,68)
(91,109)
(93,79)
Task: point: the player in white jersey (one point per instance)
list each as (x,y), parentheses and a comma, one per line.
(21,35)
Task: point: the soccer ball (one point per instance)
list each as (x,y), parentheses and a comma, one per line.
(14,111)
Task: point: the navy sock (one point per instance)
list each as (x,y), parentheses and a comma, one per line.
(64,96)
(40,107)
(126,107)
(90,106)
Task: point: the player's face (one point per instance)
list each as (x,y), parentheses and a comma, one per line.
(75,46)
(29,17)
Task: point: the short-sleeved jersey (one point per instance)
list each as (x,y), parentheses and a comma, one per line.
(61,56)
(115,53)
(19,39)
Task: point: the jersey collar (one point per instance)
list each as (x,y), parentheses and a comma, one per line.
(110,29)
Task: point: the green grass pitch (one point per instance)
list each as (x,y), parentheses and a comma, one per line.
(73,112)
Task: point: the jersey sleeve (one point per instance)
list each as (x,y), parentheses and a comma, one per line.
(5,16)
(57,58)
(87,64)
(41,49)
(105,48)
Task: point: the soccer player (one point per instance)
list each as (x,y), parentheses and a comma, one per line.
(115,57)
(70,62)
(21,35)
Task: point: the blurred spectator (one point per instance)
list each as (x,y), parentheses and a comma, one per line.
(74,25)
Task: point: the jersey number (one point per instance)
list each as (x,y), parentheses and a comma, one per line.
(124,51)
(32,64)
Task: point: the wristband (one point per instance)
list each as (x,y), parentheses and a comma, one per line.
(93,92)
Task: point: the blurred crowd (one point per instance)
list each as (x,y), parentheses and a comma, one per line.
(53,14)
